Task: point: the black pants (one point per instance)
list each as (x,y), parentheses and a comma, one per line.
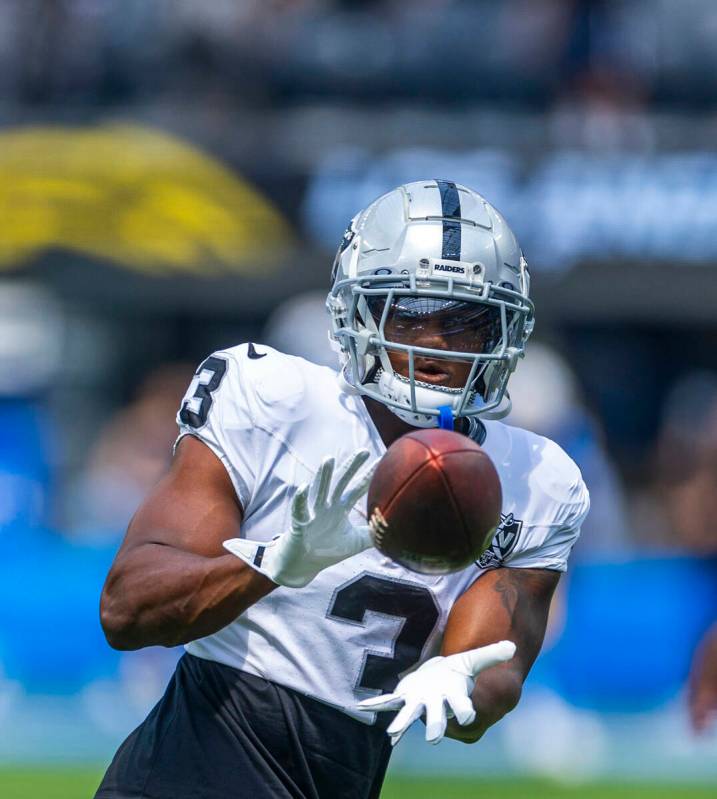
(219,733)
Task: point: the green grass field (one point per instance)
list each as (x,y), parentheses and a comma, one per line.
(44,783)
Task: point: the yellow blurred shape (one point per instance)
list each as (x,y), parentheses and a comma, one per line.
(131,195)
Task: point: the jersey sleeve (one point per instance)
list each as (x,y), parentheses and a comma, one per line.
(547,544)
(216,409)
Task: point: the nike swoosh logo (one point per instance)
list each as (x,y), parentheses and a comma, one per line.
(254,355)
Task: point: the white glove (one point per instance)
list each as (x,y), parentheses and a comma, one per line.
(321,533)
(442,686)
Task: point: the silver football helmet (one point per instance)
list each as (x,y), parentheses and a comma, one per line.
(435,263)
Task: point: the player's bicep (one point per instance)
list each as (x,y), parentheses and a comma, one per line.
(193,508)
(502,604)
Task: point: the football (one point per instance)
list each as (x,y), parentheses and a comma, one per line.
(434,502)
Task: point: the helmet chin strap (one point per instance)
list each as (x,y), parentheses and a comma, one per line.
(445,417)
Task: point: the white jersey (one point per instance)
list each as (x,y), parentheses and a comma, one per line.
(271,419)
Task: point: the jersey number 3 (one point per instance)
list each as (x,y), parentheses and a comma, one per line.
(195,407)
(413,603)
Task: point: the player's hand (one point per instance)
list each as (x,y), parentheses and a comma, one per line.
(321,533)
(441,688)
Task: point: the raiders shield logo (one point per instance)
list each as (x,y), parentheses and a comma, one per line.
(504,541)
(346,239)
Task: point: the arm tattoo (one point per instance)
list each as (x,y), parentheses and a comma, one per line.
(508,591)
(525,594)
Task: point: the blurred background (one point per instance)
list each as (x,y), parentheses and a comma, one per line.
(175,176)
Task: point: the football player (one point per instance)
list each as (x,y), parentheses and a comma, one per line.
(308,653)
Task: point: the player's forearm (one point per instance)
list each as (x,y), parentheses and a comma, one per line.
(496,693)
(160,595)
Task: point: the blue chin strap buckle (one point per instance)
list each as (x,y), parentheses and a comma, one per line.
(445,417)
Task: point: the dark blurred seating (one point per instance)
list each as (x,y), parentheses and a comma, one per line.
(514,51)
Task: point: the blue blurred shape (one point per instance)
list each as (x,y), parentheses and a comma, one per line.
(50,636)
(630,632)
(24,455)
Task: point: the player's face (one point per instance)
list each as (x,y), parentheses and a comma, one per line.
(442,325)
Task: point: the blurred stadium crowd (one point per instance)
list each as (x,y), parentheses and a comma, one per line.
(306,109)
(540,52)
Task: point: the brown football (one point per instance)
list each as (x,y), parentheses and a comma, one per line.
(434,501)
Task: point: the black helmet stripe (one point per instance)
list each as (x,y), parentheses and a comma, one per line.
(451,212)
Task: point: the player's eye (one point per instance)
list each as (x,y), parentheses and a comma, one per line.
(401,318)
(469,320)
